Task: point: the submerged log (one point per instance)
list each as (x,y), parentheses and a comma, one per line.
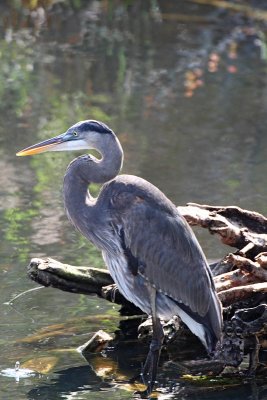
(240,280)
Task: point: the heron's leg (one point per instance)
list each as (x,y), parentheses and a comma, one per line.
(151,364)
(149,371)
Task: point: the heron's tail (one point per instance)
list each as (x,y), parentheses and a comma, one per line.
(212,323)
(207,328)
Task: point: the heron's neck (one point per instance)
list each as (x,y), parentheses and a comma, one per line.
(81,207)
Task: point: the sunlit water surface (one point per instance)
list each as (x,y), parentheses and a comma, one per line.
(184,87)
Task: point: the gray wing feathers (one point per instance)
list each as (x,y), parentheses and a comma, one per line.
(172,260)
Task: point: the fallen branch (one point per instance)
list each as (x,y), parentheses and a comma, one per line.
(84,280)
(241,293)
(233,279)
(243,229)
(246,265)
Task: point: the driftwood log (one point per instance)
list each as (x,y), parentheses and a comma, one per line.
(240,280)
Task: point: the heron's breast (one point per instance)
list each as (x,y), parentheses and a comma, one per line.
(133,287)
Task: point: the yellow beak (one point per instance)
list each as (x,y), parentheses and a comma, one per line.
(41,147)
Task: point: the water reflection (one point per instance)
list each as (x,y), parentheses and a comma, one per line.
(183,85)
(71,382)
(83,383)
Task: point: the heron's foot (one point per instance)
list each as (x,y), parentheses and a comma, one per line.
(110,292)
(143,394)
(150,384)
(142,376)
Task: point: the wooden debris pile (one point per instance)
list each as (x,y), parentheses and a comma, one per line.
(240,279)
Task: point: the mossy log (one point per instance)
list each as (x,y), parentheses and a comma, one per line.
(240,280)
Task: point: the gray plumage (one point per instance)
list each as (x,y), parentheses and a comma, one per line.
(150,250)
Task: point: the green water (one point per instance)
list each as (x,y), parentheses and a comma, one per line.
(184,87)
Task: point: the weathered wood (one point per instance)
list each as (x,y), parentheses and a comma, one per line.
(98,342)
(233,279)
(240,293)
(84,280)
(254,268)
(243,229)
(261,258)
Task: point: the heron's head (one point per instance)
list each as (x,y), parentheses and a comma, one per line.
(83,135)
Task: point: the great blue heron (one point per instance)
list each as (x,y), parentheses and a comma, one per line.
(150,250)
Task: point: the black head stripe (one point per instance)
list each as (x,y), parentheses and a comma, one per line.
(95,126)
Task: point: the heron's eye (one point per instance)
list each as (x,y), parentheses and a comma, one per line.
(75,133)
